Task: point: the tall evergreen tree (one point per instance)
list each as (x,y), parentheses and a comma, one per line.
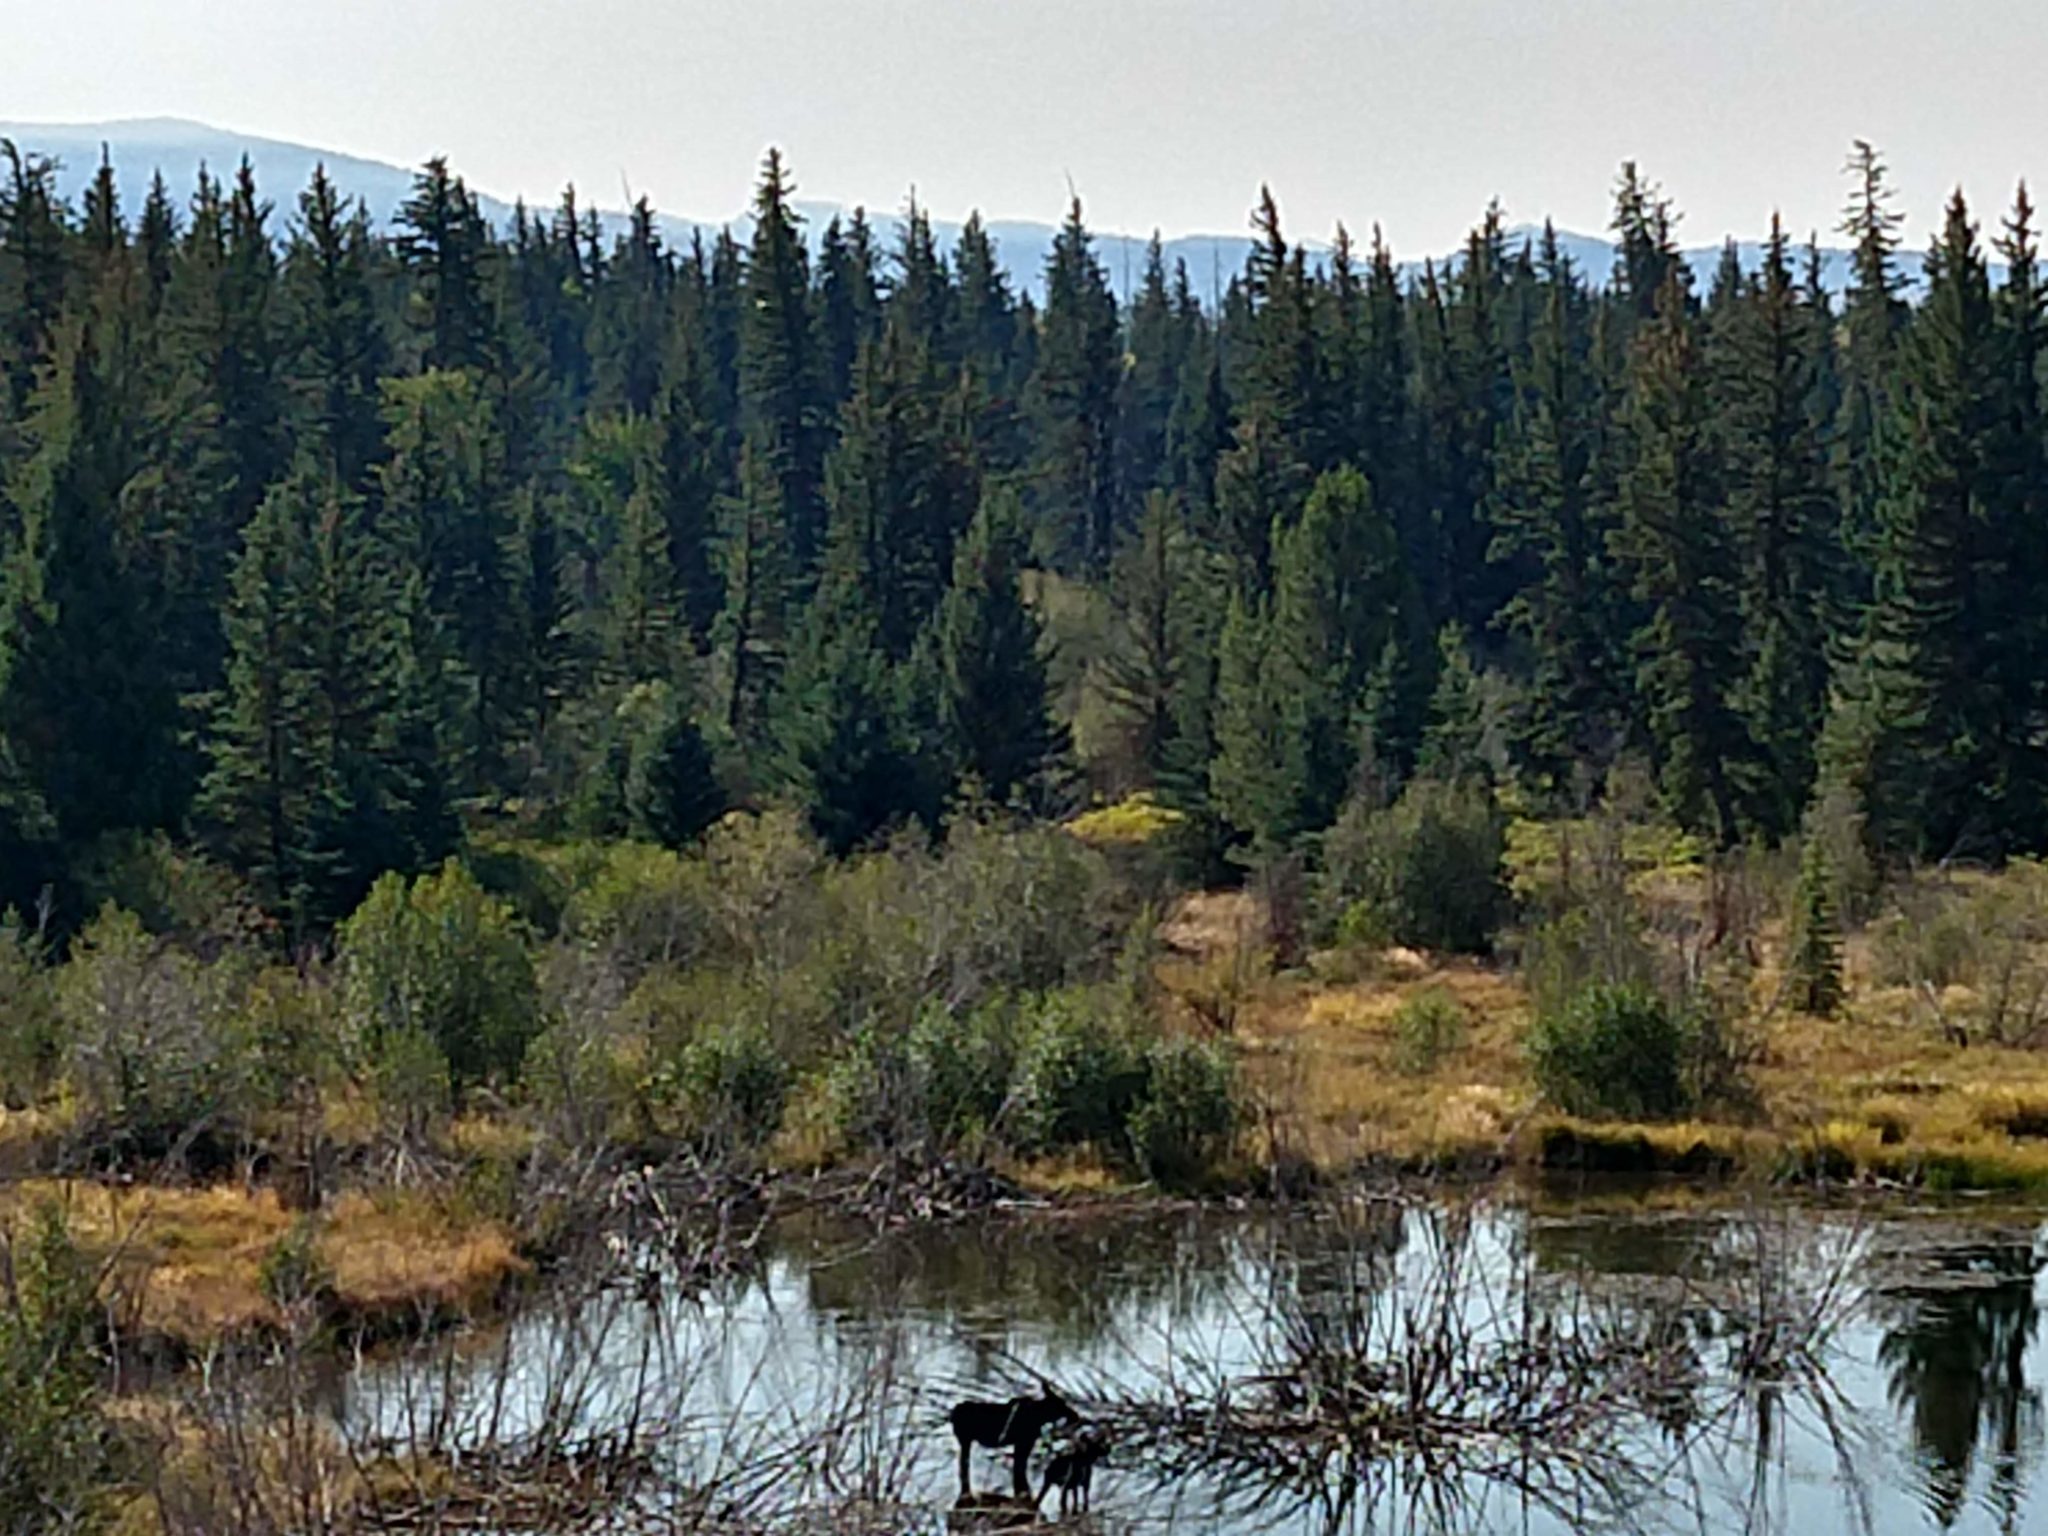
(780,376)
(992,674)
(447,248)
(1073,405)
(1939,772)
(1764,357)
(331,334)
(1675,547)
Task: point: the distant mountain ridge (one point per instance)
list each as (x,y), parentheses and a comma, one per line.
(141,147)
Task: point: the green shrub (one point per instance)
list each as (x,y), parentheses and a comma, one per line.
(1616,1050)
(1079,1075)
(292,1271)
(727,1088)
(1427,871)
(441,961)
(643,908)
(152,1042)
(1430,1026)
(28,1016)
(1189,1112)
(940,1085)
(54,1448)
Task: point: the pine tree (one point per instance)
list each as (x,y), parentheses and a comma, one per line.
(626,534)
(902,486)
(2017,620)
(1073,405)
(89,707)
(1251,776)
(447,248)
(849,306)
(1873,317)
(993,699)
(1158,341)
(1938,743)
(331,334)
(1548,525)
(988,337)
(694,466)
(309,791)
(1674,547)
(629,320)
(753,628)
(780,377)
(1764,357)
(1160,649)
(843,734)
(1309,682)
(672,788)
(445,509)
(32,273)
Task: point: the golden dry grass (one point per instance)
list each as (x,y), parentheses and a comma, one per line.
(187,1263)
(1881,1091)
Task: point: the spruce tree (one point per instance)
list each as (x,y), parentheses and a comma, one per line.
(992,682)
(1673,544)
(1073,405)
(781,379)
(1764,356)
(447,249)
(1548,524)
(331,334)
(1939,743)
(672,790)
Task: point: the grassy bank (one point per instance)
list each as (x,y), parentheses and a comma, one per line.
(1897,1086)
(188,1268)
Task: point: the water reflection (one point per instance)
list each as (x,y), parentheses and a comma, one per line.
(1932,1338)
(1957,1354)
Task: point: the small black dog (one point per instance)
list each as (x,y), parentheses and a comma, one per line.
(1072,1470)
(1017,1423)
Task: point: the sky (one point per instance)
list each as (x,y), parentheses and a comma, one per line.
(1163,114)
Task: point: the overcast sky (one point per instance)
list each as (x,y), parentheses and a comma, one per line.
(1164,113)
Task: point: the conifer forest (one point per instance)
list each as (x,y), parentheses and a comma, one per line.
(319,542)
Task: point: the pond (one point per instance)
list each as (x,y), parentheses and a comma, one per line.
(1521,1366)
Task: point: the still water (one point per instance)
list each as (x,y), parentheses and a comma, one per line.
(1825,1369)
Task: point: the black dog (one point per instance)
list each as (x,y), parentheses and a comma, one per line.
(1072,1470)
(1017,1423)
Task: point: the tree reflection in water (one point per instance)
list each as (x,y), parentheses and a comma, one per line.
(1956,1357)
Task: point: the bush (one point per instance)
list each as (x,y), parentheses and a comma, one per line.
(1615,1050)
(54,1449)
(1189,1113)
(939,1085)
(1079,1076)
(1429,1027)
(28,1021)
(293,1272)
(1426,871)
(643,908)
(152,1043)
(440,961)
(727,1088)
